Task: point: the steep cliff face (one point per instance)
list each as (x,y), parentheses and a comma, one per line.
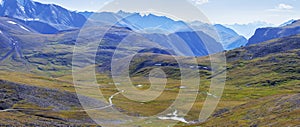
(265,34)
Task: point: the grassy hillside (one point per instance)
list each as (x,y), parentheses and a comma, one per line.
(277,110)
(258,76)
(266,70)
(266,77)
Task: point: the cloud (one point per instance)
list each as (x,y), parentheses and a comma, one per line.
(200,2)
(282,8)
(285,7)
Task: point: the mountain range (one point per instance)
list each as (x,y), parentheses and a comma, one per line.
(158,31)
(50,19)
(43,18)
(163,25)
(36,60)
(248,30)
(37,13)
(268,33)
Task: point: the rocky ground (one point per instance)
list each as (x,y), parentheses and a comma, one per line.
(34,106)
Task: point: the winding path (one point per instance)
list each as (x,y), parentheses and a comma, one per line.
(110,105)
(109,100)
(171,116)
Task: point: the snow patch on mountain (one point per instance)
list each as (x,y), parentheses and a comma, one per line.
(12,22)
(22,8)
(31,19)
(23,28)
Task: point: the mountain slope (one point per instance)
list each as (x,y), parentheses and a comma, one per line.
(141,23)
(229,38)
(198,42)
(265,79)
(10,45)
(265,34)
(52,53)
(109,19)
(53,15)
(153,24)
(262,82)
(280,110)
(264,70)
(226,36)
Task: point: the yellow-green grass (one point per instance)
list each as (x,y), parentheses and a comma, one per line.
(246,81)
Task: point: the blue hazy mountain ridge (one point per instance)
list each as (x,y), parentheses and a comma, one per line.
(189,43)
(151,23)
(24,46)
(229,38)
(248,30)
(50,19)
(226,36)
(142,23)
(30,40)
(269,33)
(163,25)
(35,12)
(109,19)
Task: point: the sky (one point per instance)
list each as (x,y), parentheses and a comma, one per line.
(214,11)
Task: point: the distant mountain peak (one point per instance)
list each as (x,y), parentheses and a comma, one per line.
(127,14)
(121,12)
(288,23)
(248,29)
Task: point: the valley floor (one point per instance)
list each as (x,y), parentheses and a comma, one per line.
(27,102)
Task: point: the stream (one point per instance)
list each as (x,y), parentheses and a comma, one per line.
(173,116)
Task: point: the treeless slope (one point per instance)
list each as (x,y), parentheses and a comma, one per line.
(279,110)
